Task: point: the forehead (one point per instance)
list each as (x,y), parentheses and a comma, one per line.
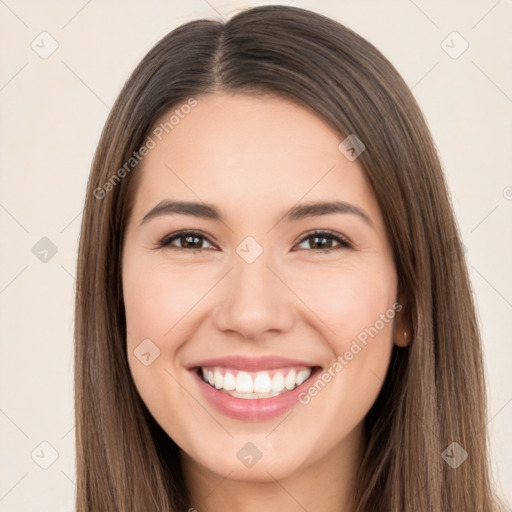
(251,152)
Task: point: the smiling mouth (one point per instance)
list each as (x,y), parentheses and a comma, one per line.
(254,385)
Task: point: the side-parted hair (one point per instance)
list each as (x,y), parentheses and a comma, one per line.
(434,392)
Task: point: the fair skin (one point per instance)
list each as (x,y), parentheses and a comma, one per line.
(253,158)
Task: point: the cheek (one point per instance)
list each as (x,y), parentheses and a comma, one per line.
(155,301)
(160,301)
(359,307)
(348,299)
(157,298)
(354,309)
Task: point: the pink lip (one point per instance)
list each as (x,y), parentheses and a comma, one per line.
(254,409)
(254,364)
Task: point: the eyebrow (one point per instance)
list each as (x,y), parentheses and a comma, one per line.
(298,212)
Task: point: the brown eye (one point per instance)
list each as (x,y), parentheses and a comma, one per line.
(185,240)
(325,241)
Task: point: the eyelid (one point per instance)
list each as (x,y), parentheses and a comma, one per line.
(166,240)
(344,242)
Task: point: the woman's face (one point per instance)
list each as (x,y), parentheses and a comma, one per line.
(253,300)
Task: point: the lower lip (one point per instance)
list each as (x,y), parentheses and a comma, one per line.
(257,409)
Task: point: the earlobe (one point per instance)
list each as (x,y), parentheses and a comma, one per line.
(402,337)
(402,333)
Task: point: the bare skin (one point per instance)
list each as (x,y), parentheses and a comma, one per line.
(253,158)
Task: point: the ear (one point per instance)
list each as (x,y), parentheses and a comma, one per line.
(402,332)
(402,338)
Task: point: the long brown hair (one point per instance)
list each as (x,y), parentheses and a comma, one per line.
(434,392)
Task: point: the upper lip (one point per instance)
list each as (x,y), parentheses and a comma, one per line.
(239,362)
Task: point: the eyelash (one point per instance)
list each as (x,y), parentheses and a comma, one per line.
(343,242)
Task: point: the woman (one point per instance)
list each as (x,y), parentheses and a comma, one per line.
(273,309)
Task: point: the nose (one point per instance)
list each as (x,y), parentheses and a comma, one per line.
(254,301)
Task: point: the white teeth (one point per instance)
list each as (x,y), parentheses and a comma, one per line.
(244,383)
(218,379)
(229,382)
(256,385)
(278,382)
(305,375)
(262,383)
(252,396)
(302,376)
(289,382)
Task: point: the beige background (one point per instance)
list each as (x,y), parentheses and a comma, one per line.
(52,111)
